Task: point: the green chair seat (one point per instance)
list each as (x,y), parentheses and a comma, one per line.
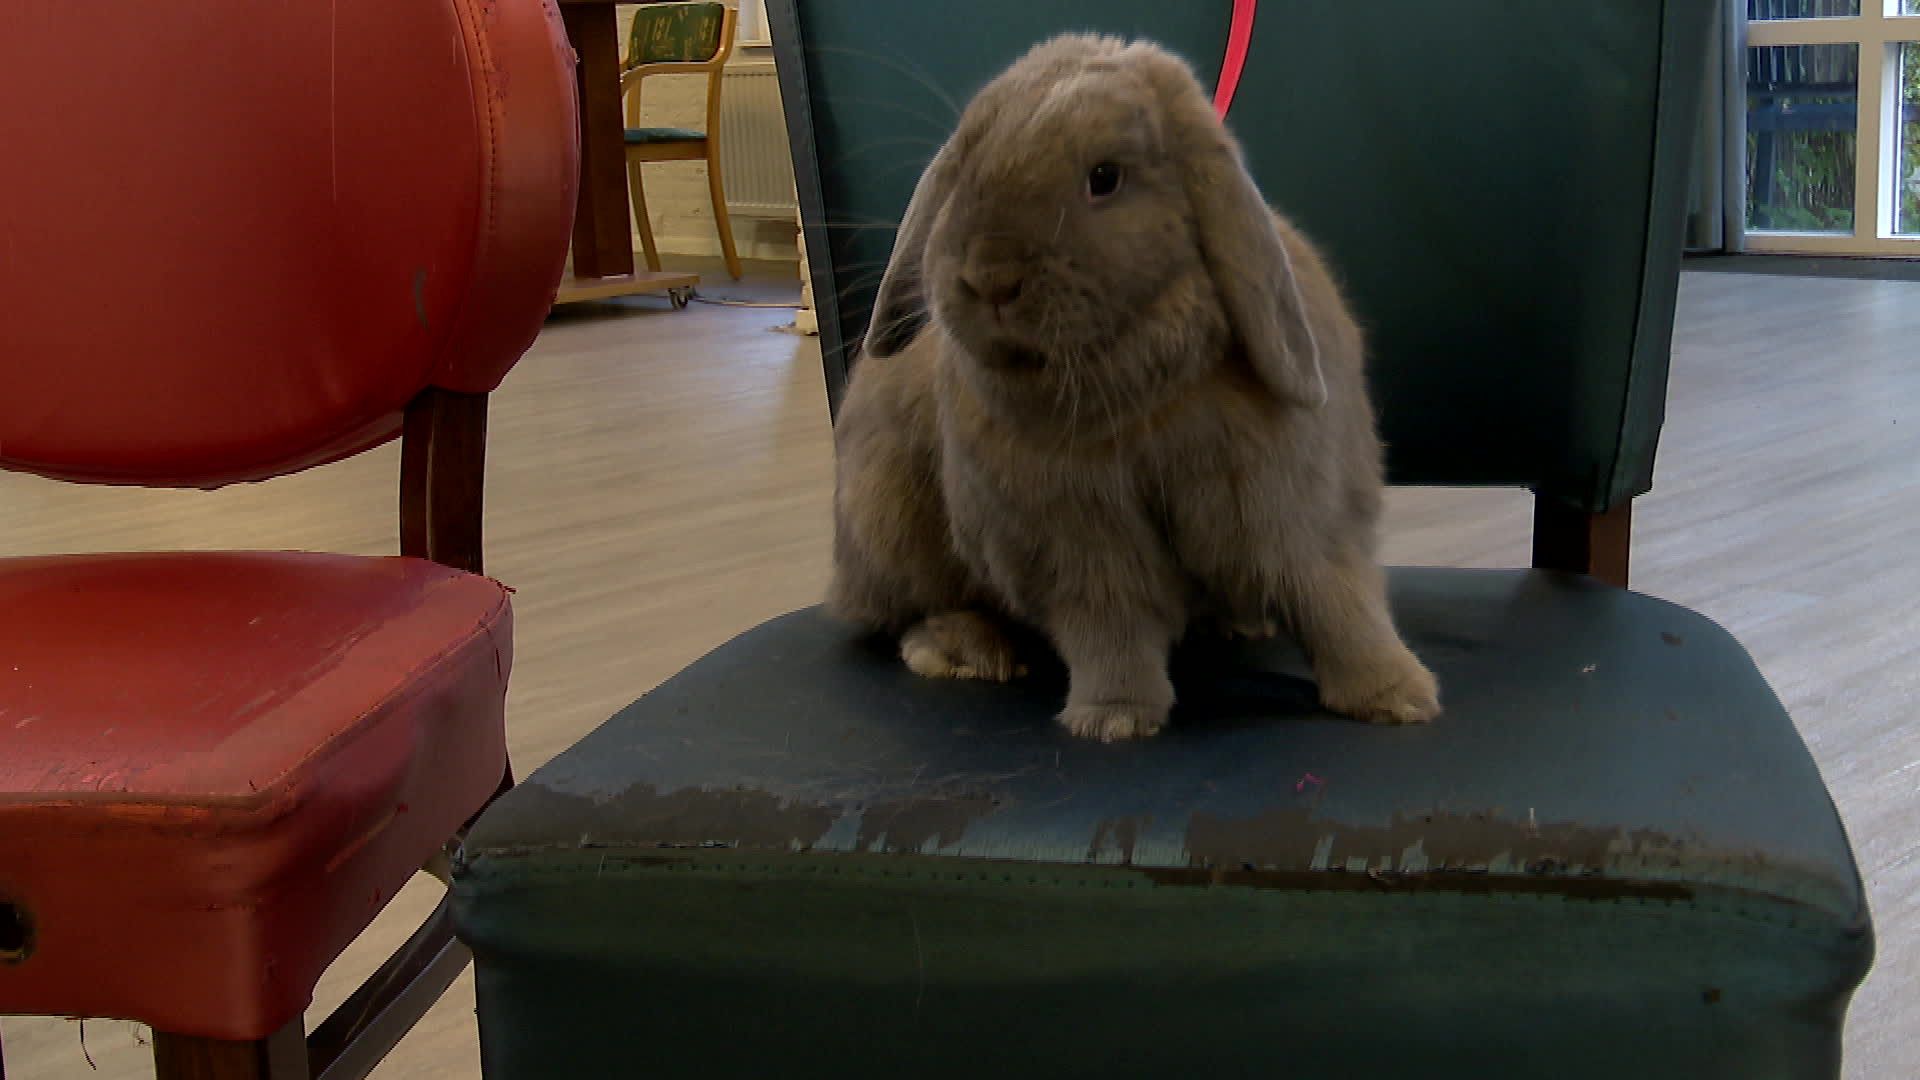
(640,136)
(1612,856)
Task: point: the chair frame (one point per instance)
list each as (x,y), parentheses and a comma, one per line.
(442,481)
(1577,541)
(706,149)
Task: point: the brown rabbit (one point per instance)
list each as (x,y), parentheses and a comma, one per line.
(1138,402)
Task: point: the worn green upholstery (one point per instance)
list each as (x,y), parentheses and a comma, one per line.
(674,33)
(1611,856)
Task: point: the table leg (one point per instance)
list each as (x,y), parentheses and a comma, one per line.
(602,231)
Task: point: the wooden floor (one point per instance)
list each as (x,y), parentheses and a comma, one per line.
(660,482)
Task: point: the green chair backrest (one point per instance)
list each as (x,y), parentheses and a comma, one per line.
(674,34)
(1501,185)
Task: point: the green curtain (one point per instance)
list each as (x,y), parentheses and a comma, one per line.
(1716,215)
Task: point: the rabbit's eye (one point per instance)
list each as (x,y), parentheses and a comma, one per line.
(1103,180)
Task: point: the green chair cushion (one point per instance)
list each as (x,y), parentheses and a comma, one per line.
(1611,856)
(636,136)
(674,33)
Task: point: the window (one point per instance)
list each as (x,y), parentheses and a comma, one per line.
(751,29)
(1833,126)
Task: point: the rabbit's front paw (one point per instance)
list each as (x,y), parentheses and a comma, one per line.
(1110,723)
(1251,629)
(959,645)
(1396,690)
(1235,623)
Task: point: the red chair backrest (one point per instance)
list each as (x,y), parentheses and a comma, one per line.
(236,237)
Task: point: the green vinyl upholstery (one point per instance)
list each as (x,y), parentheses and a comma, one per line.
(639,136)
(1611,856)
(1501,186)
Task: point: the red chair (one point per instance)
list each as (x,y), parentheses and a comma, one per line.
(238,242)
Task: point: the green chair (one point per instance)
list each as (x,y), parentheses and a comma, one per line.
(1612,856)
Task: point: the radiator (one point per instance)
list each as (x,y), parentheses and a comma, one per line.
(755,161)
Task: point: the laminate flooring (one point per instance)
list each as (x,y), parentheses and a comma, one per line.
(659,481)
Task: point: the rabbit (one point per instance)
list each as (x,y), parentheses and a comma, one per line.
(1108,393)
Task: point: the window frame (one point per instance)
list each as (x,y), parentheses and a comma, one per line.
(1879,31)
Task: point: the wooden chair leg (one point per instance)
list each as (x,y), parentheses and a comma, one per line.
(637,192)
(443,462)
(350,1043)
(280,1056)
(1579,542)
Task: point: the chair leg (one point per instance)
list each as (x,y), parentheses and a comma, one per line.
(720,219)
(350,1043)
(1582,543)
(638,194)
(280,1056)
(443,465)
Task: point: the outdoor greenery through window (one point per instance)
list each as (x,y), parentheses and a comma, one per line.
(1801,136)
(1833,125)
(1908,215)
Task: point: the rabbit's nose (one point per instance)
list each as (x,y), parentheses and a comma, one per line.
(997,287)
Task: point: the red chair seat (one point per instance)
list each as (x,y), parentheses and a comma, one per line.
(215,769)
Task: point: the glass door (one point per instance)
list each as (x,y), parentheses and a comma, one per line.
(1833,126)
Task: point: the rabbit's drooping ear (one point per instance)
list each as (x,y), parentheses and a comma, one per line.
(900,306)
(1246,256)
(1252,270)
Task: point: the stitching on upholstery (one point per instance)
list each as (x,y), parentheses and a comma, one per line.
(483,86)
(495,105)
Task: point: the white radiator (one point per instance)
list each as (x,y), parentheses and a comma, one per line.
(755,161)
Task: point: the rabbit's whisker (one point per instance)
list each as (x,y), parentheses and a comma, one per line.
(933,122)
(894,65)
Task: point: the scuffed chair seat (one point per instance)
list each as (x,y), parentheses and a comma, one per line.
(1612,854)
(215,769)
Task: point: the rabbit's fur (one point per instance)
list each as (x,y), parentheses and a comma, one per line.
(1126,413)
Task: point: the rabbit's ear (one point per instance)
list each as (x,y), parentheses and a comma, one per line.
(1247,257)
(899,308)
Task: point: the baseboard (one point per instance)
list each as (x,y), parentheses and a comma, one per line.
(775,239)
(1868,268)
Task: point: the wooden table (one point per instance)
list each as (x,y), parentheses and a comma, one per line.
(602,230)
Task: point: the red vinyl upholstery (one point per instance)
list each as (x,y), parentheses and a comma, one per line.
(216,768)
(239,237)
(236,240)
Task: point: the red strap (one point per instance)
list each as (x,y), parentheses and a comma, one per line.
(1239,40)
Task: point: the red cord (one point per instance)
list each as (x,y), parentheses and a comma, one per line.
(1239,40)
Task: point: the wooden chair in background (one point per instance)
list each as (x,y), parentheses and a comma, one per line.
(678,39)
